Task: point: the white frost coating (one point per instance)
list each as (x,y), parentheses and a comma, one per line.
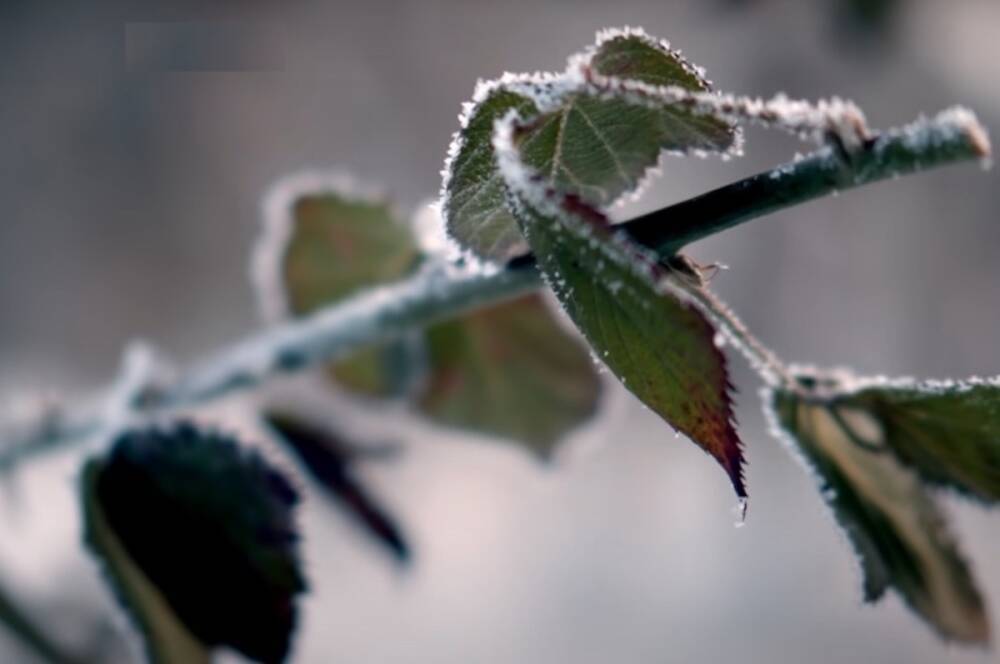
(927,135)
(528,187)
(428,229)
(276,229)
(578,69)
(142,368)
(548,91)
(732,330)
(529,85)
(841,381)
(606,35)
(809,121)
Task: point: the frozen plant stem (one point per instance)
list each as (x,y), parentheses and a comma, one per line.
(440,292)
(30,634)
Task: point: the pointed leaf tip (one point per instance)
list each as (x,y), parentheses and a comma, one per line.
(634,312)
(328,460)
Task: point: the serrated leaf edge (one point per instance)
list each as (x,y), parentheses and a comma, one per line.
(524,182)
(548,90)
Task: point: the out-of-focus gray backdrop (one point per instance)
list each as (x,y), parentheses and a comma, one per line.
(135,142)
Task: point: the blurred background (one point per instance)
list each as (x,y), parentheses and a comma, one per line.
(138,138)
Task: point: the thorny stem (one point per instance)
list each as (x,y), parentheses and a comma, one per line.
(442,292)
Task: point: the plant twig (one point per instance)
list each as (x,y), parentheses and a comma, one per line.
(30,634)
(442,291)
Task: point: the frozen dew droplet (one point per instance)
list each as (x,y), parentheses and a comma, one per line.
(740,510)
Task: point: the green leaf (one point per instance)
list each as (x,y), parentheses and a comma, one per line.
(474,203)
(637,316)
(475,370)
(510,370)
(198,540)
(948,432)
(895,526)
(590,136)
(330,243)
(328,459)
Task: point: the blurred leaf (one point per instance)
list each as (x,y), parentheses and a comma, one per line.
(590,140)
(328,460)
(634,314)
(510,370)
(339,245)
(895,526)
(949,433)
(198,540)
(869,16)
(477,370)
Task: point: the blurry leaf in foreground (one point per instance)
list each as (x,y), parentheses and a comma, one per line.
(326,242)
(635,314)
(874,19)
(328,460)
(894,524)
(511,370)
(197,538)
(949,432)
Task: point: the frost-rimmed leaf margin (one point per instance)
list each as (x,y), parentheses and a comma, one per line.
(973,472)
(529,196)
(835,121)
(915,552)
(277,215)
(542,93)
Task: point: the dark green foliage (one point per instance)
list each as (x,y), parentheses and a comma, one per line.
(949,433)
(328,460)
(210,527)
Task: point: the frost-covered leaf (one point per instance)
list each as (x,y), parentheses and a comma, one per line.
(197,537)
(634,313)
(590,137)
(326,241)
(328,460)
(474,205)
(894,524)
(510,370)
(948,432)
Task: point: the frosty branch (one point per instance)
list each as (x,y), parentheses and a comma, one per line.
(385,310)
(441,291)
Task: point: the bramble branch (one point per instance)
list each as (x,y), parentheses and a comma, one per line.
(441,291)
